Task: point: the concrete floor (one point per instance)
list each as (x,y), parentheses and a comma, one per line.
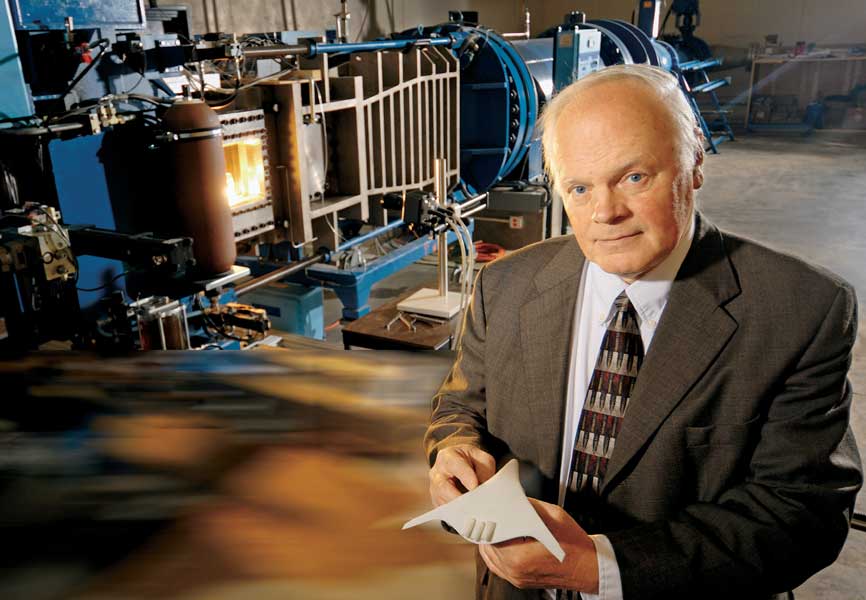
(801,195)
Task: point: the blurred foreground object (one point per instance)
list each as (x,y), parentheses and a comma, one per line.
(219,474)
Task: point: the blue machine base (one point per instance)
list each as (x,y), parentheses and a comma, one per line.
(353,286)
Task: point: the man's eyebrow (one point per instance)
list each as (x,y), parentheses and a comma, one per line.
(627,166)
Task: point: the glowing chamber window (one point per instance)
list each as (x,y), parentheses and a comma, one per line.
(245,171)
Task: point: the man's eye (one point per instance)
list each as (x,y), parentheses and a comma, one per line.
(578,190)
(635,178)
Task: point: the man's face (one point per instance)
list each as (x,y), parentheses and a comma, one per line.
(626,198)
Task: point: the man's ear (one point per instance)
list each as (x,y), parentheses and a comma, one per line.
(698,170)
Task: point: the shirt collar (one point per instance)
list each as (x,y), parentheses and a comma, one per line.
(649,294)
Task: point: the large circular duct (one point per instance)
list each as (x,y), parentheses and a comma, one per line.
(504,85)
(497,124)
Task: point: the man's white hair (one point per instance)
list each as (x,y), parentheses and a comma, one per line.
(690,139)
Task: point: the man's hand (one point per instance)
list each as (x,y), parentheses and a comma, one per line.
(463,465)
(525,563)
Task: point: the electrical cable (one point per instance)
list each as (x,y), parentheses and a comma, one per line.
(452,223)
(665,20)
(160,102)
(221,331)
(103,45)
(464,262)
(469,271)
(469,277)
(363,22)
(331,227)
(106,284)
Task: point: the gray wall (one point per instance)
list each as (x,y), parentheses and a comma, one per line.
(725,22)
(738,22)
(370,18)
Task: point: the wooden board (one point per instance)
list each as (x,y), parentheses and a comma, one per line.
(370,331)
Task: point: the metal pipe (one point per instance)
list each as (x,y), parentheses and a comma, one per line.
(343,21)
(59,128)
(276,274)
(369,236)
(440,191)
(526,33)
(277,51)
(379,45)
(470,204)
(473,211)
(314,48)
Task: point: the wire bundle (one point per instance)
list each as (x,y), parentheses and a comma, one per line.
(467,265)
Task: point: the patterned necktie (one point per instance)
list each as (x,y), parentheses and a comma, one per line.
(607,395)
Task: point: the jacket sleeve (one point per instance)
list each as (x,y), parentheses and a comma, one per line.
(459,413)
(789,518)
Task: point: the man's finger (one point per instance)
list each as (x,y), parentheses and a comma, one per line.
(550,513)
(459,467)
(485,464)
(442,489)
(490,558)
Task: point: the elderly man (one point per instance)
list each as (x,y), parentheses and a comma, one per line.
(676,395)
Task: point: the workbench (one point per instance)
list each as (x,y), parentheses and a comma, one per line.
(372,331)
(849,72)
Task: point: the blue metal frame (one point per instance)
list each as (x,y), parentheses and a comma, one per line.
(38,15)
(360,239)
(84,198)
(720,125)
(398,44)
(353,286)
(15,99)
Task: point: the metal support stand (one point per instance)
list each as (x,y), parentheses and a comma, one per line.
(439,302)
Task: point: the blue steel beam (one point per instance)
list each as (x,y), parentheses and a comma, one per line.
(694,65)
(353,286)
(369,236)
(15,99)
(710,86)
(373,46)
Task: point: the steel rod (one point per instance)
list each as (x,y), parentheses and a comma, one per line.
(440,190)
(369,236)
(314,48)
(276,274)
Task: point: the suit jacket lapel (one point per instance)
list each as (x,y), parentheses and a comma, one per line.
(692,332)
(546,323)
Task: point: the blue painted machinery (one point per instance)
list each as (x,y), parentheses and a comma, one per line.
(503,87)
(505,84)
(322,142)
(696,60)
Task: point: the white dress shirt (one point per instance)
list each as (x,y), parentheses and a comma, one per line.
(592,313)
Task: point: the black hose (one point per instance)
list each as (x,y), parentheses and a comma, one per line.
(665,20)
(87,69)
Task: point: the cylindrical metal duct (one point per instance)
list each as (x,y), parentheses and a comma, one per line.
(197,184)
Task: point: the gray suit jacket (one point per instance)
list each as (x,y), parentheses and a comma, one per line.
(735,470)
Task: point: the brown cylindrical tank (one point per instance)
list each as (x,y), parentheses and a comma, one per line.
(195,159)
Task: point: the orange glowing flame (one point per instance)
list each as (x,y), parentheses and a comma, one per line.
(245,172)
